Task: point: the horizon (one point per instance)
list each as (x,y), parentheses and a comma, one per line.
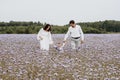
(60,25)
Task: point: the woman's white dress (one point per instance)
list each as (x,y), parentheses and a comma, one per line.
(46,39)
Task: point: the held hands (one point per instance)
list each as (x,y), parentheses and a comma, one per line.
(64,41)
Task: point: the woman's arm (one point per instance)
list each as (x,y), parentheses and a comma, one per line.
(39,37)
(50,38)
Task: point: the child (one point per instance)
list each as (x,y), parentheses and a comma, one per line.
(59,47)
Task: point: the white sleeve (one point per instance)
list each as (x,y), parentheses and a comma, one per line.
(50,38)
(82,35)
(67,34)
(63,45)
(39,34)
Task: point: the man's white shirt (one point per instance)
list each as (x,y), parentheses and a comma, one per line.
(74,32)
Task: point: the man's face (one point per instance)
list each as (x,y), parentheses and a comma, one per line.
(73,25)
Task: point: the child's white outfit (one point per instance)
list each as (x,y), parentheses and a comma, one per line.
(59,49)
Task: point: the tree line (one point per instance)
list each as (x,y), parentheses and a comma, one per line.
(15,27)
(108,26)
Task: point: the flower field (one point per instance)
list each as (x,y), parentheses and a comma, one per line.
(97,59)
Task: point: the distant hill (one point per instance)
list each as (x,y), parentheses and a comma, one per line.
(16,27)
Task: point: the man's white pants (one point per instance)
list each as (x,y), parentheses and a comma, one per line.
(75,43)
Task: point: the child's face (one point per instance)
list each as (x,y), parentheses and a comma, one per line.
(59,44)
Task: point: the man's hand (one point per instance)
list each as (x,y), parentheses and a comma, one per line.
(82,41)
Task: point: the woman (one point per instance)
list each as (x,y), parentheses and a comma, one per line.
(44,36)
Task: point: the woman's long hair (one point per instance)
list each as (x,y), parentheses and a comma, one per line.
(46,26)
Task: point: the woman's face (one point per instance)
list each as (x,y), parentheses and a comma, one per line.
(48,28)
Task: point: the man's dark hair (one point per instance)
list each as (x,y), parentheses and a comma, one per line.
(46,26)
(72,22)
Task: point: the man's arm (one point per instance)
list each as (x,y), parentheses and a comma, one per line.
(82,35)
(67,35)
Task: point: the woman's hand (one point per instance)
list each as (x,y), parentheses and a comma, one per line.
(40,38)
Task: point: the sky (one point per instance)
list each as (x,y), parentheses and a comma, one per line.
(59,12)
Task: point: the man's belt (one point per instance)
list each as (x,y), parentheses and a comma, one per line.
(75,37)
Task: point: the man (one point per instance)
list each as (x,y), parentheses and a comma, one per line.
(76,35)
